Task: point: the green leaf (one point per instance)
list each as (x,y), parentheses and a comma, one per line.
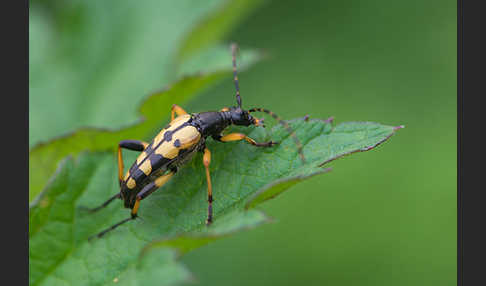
(173,218)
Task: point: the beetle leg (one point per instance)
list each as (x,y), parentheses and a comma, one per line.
(133,145)
(146,191)
(206,162)
(241,136)
(110,228)
(92,210)
(178,110)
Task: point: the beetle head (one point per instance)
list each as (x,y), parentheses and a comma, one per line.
(242,117)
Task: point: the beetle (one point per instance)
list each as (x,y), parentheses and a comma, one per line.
(176,144)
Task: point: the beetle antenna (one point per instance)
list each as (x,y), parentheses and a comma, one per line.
(287,127)
(234,48)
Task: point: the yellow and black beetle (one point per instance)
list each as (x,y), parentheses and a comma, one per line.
(176,144)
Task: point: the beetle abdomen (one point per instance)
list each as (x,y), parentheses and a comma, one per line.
(166,147)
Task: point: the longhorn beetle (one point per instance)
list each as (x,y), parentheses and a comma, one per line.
(176,144)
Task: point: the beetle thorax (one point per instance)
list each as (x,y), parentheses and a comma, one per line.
(211,123)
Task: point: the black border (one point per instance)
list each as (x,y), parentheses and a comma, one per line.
(14,138)
(471,146)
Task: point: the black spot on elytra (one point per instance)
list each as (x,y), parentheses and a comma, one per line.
(168,136)
(177,143)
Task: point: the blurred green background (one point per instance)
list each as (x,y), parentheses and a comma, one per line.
(384,217)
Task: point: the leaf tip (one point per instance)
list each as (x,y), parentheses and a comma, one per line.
(398,127)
